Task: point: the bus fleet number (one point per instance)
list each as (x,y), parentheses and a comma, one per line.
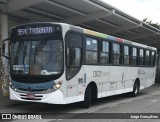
(97,73)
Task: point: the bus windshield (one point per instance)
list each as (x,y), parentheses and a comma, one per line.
(41,56)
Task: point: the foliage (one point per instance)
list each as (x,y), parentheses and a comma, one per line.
(156,25)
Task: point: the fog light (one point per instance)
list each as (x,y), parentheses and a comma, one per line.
(49,90)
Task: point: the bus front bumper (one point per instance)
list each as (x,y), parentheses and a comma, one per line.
(56,97)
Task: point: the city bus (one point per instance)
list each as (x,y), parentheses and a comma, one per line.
(58,63)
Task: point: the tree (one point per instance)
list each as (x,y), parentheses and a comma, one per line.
(156,25)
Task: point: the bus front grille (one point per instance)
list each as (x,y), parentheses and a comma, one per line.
(35,97)
(29,98)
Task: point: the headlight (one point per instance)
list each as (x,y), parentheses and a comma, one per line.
(55,87)
(10,83)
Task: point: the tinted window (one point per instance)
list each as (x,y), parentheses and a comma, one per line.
(147,56)
(104,54)
(153,58)
(105,46)
(75,40)
(116,48)
(116,53)
(141,57)
(91,51)
(134,56)
(73,54)
(126,55)
(91,44)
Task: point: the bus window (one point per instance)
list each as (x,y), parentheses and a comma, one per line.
(126,55)
(147,56)
(141,57)
(134,58)
(116,53)
(91,51)
(104,54)
(153,58)
(73,55)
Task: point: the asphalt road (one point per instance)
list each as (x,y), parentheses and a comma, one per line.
(115,108)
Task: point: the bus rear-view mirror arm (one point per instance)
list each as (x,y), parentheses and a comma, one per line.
(4,53)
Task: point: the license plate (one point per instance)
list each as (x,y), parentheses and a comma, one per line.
(30,96)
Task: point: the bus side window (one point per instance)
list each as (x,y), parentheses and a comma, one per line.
(134,56)
(104,54)
(147,56)
(153,58)
(116,53)
(141,57)
(91,50)
(126,55)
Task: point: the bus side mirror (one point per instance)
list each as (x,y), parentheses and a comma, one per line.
(72,53)
(5,48)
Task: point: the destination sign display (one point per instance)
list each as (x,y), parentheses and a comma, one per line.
(33,30)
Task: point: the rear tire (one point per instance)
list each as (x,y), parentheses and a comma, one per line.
(87,98)
(135,91)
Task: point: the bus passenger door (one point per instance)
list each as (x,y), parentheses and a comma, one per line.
(74,70)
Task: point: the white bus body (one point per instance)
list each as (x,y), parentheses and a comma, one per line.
(108,79)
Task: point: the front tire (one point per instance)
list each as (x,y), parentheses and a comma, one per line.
(87,98)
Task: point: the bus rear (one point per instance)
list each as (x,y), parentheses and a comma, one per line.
(37,64)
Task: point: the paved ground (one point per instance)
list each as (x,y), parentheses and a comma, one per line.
(5,101)
(146,104)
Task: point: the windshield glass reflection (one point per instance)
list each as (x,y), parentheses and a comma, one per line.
(42,57)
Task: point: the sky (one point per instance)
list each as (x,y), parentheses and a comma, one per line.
(139,9)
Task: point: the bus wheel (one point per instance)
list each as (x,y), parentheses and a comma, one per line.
(87,98)
(135,91)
